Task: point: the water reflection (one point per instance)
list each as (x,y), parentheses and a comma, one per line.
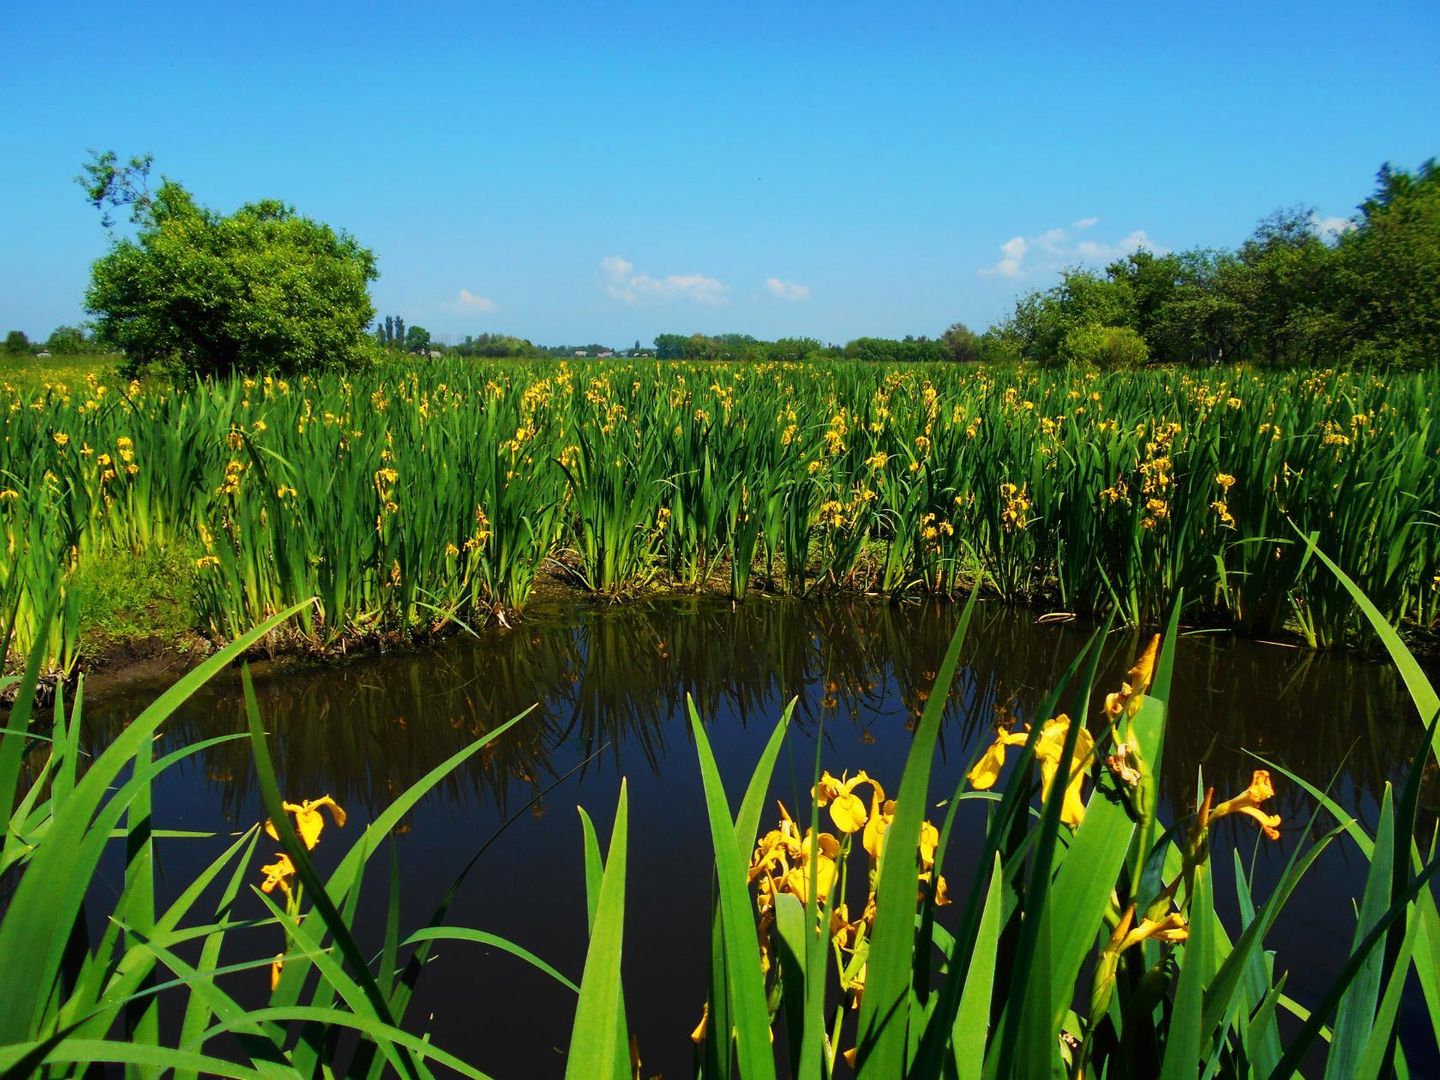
(604,678)
(609,685)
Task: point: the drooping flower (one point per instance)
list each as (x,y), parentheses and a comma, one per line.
(1248,803)
(987,770)
(1049,749)
(882,813)
(279,874)
(1127,700)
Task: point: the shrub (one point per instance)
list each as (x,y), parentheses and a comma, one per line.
(1104,346)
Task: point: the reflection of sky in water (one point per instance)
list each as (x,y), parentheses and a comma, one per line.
(611,685)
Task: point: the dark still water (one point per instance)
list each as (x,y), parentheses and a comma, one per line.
(610,683)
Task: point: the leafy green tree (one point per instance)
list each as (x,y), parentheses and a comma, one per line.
(1104,346)
(796,350)
(260,289)
(669,346)
(892,351)
(961,343)
(417,339)
(16,343)
(1083,297)
(1389,268)
(69,341)
(1285,283)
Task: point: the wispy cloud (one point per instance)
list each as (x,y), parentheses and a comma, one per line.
(622,282)
(466,300)
(787,290)
(1054,249)
(1092,250)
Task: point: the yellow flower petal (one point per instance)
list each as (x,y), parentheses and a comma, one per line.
(873,838)
(1248,803)
(848,812)
(309,823)
(929,841)
(987,770)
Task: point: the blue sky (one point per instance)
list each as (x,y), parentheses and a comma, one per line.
(586,172)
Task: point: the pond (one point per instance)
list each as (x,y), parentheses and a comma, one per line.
(610,683)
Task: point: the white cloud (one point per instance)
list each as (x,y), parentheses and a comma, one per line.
(788,290)
(1013,255)
(1089,249)
(1331,227)
(1051,240)
(1055,249)
(468,301)
(622,283)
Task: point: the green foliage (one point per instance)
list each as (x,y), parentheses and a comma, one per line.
(16,344)
(408,503)
(495,346)
(70,341)
(910,350)
(1295,293)
(1390,267)
(126,598)
(961,343)
(1103,346)
(1093,945)
(1116,959)
(262,289)
(88,1000)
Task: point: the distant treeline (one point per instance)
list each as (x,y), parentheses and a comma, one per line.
(1294,293)
(1297,292)
(958,343)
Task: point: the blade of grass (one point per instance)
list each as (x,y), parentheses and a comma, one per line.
(884,1021)
(594,1041)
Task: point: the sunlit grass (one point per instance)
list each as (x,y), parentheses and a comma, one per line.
(405,502)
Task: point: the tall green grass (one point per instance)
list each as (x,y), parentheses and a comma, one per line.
(1088,943)
(404,501)
(1089,947)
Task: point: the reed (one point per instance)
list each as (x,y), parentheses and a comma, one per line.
(407,501)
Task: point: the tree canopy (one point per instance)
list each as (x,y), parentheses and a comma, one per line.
(1293,293)
(264,288)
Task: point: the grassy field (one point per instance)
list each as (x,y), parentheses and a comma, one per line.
(407,500)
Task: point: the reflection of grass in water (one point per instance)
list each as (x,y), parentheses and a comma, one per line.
(614,678)
(1094,905)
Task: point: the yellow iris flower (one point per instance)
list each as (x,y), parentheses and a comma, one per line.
(847,809)
(1049,748)
(987,770)
(1127,700)
(882,812)
(1248,803)
(781,863)
(309,822)
(279,873)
